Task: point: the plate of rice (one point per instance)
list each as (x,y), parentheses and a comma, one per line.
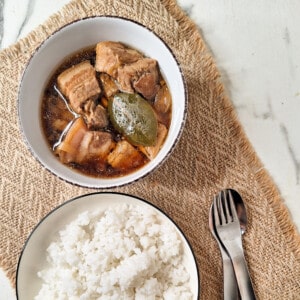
(107,246)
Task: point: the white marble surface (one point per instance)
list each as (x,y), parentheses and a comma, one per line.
(256,47)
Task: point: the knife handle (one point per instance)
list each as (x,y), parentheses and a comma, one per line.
(230,285)
(241,271)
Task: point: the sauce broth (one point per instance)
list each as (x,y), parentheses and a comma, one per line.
(55,116)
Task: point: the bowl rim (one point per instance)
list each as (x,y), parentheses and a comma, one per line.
(106,185)
(121,194)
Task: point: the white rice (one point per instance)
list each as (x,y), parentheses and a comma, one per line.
(125,252)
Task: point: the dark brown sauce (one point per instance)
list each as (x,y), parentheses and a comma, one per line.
(55,116)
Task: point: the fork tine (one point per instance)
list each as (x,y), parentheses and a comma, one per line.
(221,209)
(216,213)
(228,214)
(232,207)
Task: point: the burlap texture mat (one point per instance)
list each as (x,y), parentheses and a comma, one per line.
(213,153)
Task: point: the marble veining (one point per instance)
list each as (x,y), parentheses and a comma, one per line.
(20,17)
(266,114)
(187,8)
(28,13)
(291,151)
(286,35)
(1,19)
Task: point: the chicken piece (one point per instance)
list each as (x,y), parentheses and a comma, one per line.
(141,76)
(78,84)
(112,55)
(80,145)
(95,115)
(152,151)
(108,85)
(125,156)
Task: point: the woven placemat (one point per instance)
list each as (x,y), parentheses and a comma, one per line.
(213,153)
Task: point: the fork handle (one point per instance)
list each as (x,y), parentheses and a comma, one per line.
(242,275)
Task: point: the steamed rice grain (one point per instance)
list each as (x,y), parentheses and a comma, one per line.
(124,252)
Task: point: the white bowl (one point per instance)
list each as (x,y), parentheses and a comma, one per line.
(71,38)
(33,256)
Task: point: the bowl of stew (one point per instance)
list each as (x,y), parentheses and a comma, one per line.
(102,102)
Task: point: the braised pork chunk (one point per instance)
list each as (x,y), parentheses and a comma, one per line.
(109,86)
(125,156)
(112,55)
(141,76)
(79,84)
(132,71)
(81,145)
(95,115)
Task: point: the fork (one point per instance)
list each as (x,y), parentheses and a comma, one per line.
(228,229)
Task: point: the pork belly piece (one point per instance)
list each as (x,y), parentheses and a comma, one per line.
(80,144)
(152,151)
(68,149)
(108,85)
(141,76)
(101,144)
(78,84)
(125,156)
(95,115)
(112,55)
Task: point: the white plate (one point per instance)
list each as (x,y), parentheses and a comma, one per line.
(33,256)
